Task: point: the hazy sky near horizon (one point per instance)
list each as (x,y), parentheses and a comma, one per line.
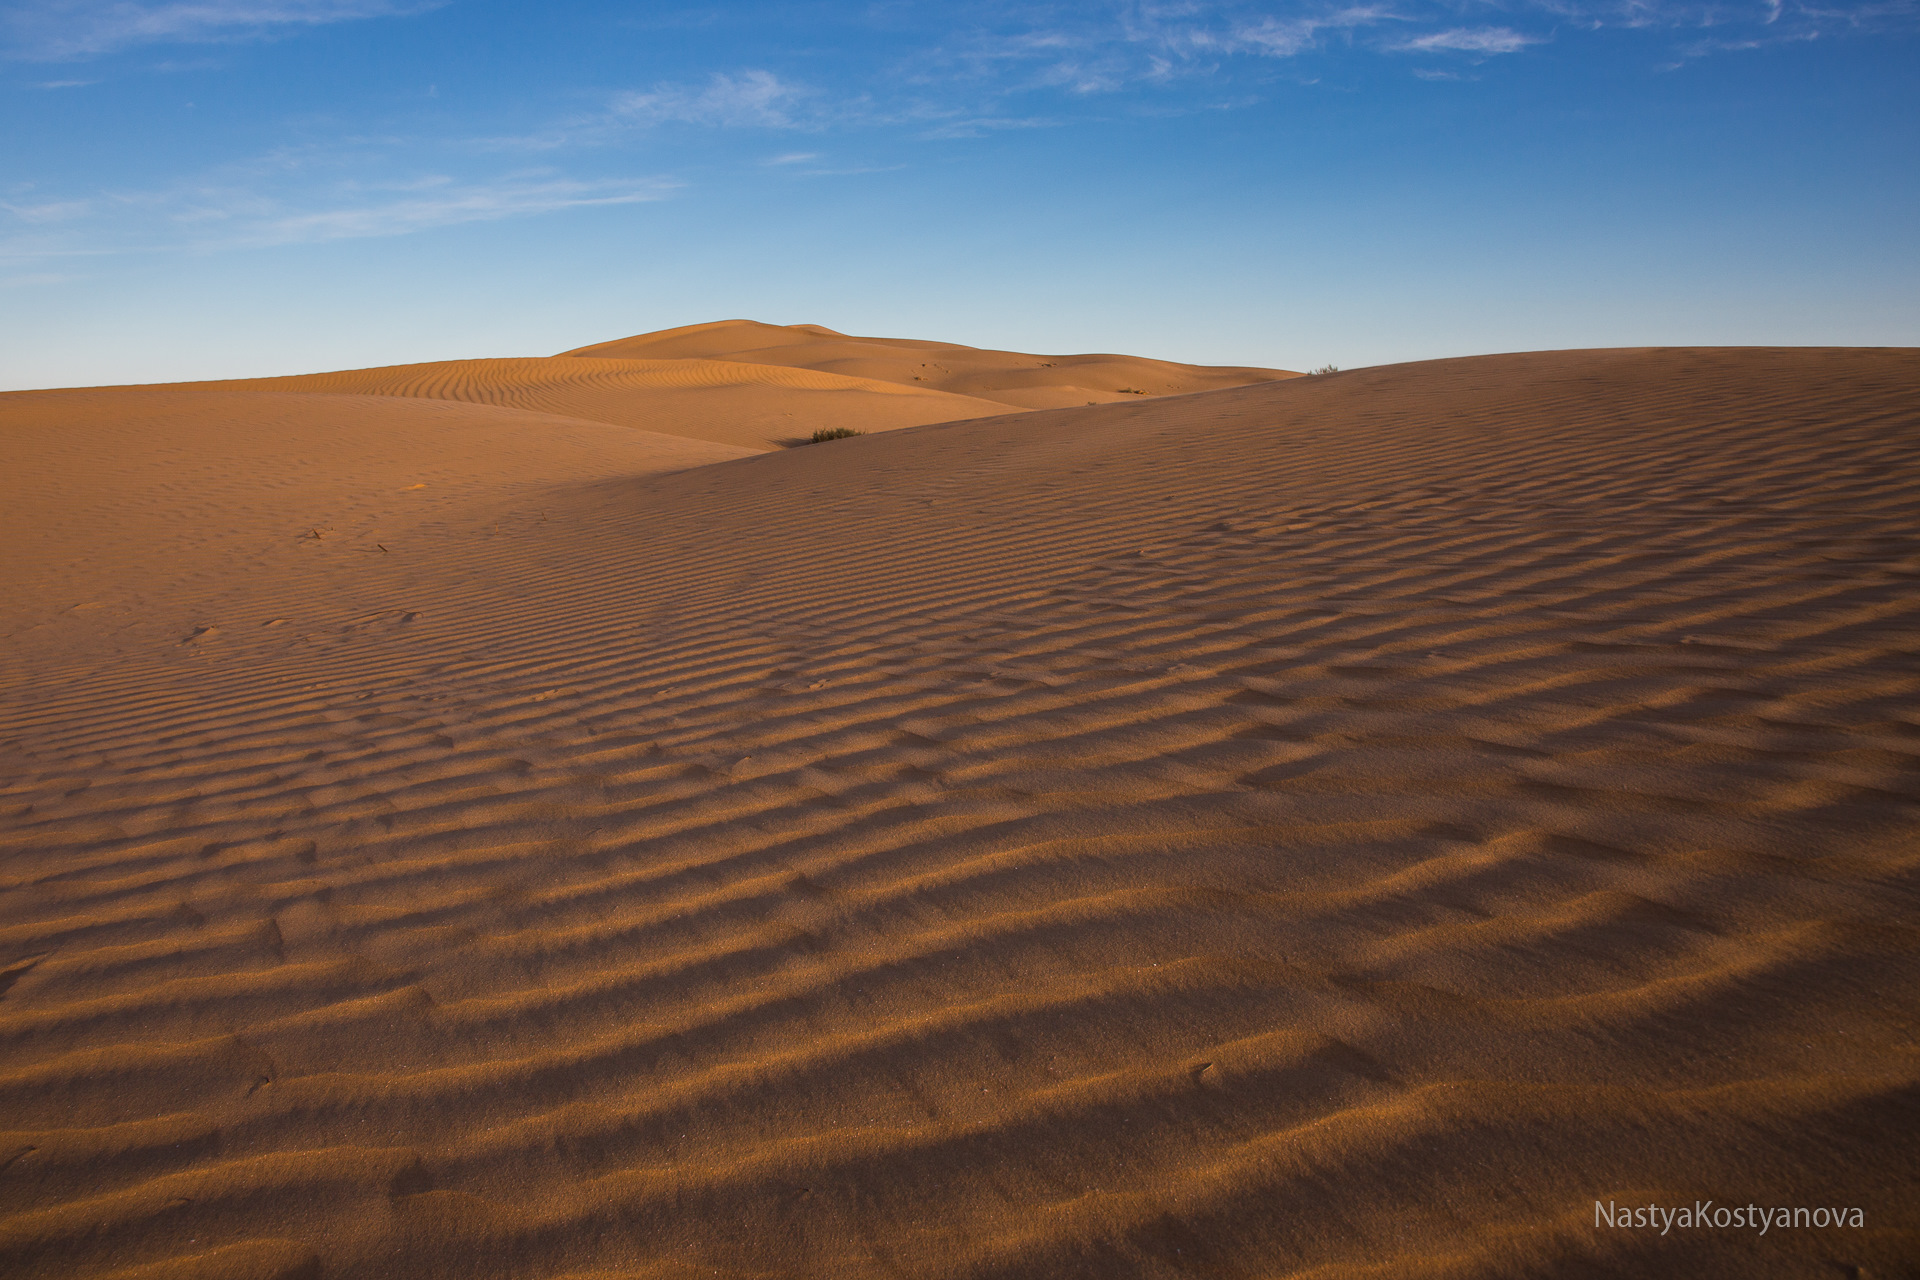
(224,188)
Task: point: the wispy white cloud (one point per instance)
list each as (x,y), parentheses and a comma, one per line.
(994,64)
(981,126)
(256,205)
(48,212)
(1276,37)
(851,171)
(1693,15)
(1113,46)
(1484,40)
(56,30)
(1713,45)
(35,279)
(747,99)
(441,203)
(1109,48)
(727,100)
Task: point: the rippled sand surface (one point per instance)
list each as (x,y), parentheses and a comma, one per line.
(1335,827)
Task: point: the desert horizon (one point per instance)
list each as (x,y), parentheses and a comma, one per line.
(1103,817)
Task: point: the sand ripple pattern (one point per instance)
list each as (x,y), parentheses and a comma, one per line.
(1332,828)
(543,384)
(706,399)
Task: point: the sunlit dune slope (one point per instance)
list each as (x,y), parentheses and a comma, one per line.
(142,507)
(1010,377)
(761,386)
(1340,827)
(757,406)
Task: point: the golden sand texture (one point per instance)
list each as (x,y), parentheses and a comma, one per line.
(131,513)
(1337,827)
(747,405)
(1013,378)
(764,386)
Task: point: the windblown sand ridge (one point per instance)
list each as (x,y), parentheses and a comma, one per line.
(750,405)
(1013,378)
(735,382)
(1335,827)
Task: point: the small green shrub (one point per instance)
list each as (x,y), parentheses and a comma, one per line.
(825,434)
(1325,368)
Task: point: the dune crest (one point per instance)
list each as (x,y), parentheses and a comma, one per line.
(727,402)
(1332,827)
(1014,378)
(734,382)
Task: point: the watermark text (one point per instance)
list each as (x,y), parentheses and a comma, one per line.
(1701,1215)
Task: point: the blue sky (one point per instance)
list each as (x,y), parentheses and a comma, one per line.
(223,188)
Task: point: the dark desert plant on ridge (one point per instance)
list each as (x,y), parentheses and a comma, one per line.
(825,434)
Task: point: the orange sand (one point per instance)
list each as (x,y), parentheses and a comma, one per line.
(1334,827)
(763,386)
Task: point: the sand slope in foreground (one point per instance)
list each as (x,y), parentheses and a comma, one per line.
(1340,827)
(131,514)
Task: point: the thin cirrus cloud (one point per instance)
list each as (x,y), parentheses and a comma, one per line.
(207,217)
(448,205)
(1105,48)
(982,126)
(1113,48)
(747,99)
(51,211)
(978,71)
(1289,37)
(66,30)
(37,279)
(1483,40)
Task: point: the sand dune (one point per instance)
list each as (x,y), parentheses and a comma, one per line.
(132,514)
(1013,378)
(764,386)
(754,406)
(1333,827)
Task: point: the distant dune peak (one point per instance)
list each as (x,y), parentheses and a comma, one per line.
(1015,379)
(711,335)
(747,384)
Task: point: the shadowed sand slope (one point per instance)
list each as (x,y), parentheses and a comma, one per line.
(135,511)
(1341,827)
(1010,377)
